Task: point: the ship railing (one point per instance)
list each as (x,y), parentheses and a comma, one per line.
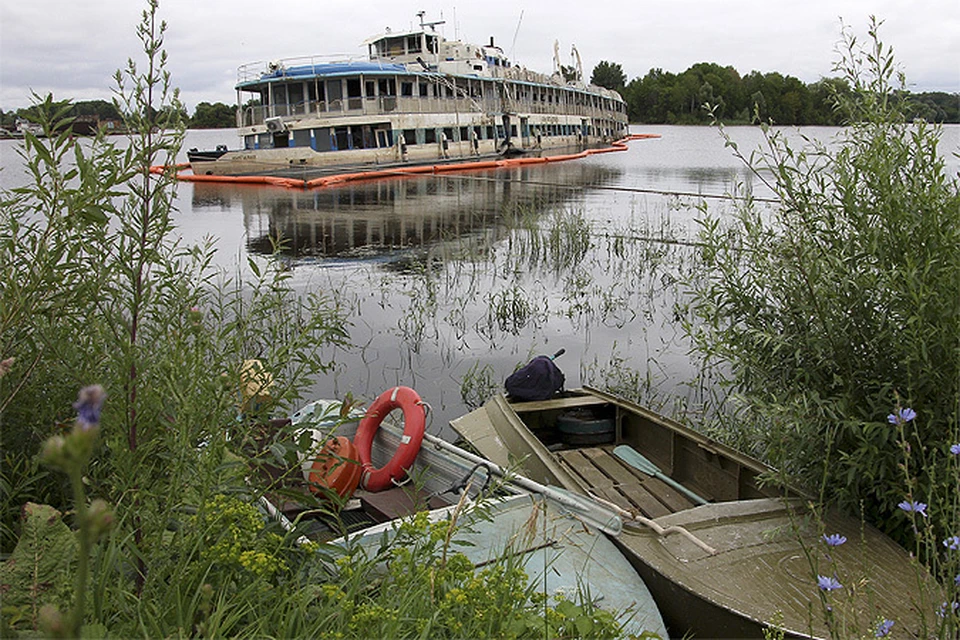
(253,71)
(380,105)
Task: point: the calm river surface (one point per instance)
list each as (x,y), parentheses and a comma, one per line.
(452,281)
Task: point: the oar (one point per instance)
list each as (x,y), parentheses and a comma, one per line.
(633,458)
(587,508)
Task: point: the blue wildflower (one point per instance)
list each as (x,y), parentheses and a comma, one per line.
(828,584)
(955,449)
(956,580)
(883,629)
(902,416)
(88,405)
(952,543)
(913,506)
(834,540)
(946,607)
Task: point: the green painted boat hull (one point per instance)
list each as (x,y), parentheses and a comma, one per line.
(759,570)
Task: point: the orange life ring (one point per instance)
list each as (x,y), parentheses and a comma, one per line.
(414,422)
(336,467)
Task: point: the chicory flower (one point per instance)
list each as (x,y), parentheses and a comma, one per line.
(834,540)
(88,405)
(912,506)
(883,629)
(828,584)
(952,543)
(902,416)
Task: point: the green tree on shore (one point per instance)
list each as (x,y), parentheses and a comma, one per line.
(213,116)
(609,75)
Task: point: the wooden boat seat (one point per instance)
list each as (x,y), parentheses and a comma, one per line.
(621,484)
(397,502)
(572,402)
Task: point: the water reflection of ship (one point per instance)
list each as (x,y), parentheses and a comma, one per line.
(389,219)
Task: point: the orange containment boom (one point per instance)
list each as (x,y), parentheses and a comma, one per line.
(326,181)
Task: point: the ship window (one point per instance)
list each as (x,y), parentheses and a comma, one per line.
(279,94)
(432,44)
(353,87)
(362,137)
(410,136)
(394,46)
(264,141)
(464,134)
(429,136)
(371,88)
(250,142)
(295,93)
(334,95)
(413,44)
(321,139)
(388,87)
(424,89)
(341,138)
(301,138)
(513,131)
(406,89)
(488,135)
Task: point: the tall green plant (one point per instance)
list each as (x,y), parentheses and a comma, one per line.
(95,287)
(843,295)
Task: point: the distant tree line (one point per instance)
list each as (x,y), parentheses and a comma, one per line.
(205,116)
(662,97)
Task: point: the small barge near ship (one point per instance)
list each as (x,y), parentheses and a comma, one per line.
(417,99)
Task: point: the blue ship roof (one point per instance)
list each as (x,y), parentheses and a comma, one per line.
(328,69)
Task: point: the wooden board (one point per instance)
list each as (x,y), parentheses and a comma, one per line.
(556,403)
(610,465)
(583,467)
(647,502)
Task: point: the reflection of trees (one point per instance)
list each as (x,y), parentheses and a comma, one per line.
(370,220)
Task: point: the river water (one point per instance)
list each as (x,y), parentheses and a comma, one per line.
(452,281)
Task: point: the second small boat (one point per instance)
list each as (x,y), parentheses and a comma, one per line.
(724,554)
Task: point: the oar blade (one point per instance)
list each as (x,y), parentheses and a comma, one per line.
(635,459)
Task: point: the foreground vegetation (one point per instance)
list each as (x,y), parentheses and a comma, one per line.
(127,513)
(833,315)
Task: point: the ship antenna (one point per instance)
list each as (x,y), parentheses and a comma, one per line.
(513,47)
(432,25)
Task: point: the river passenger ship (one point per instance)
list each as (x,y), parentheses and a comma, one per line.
(417,99)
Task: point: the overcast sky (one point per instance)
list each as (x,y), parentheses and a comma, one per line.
(73,48)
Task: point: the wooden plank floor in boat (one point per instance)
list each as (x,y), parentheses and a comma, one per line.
(612,479)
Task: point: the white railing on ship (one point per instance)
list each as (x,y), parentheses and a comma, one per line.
(253,71)
(255,115)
